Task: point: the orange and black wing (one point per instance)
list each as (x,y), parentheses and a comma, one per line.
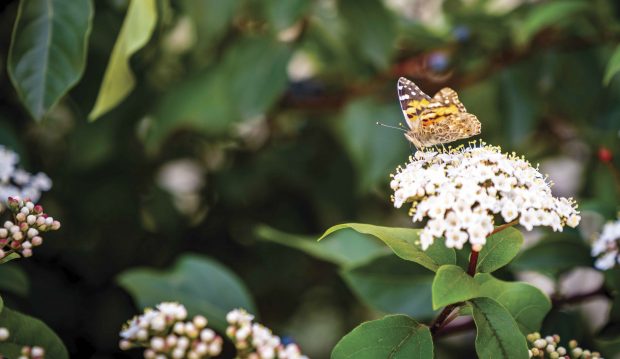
(412,100)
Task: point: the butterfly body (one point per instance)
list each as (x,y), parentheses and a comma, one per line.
(437,120)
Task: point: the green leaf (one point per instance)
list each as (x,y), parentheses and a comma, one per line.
(9,258)
(13,279)
(498,335)
(25,330)
(203,101)
(374,151)
(391,285)
(613,66)
(499,250)
(371,29)
(344,248)
(201,284)
(394,337)
(211,19)
(526,303)
(283,14)
(118,80)
(554,255)
(48,50)
(403,242)
(452,285)
(546,15)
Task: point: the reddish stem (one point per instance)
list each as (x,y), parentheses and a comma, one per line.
(473,262)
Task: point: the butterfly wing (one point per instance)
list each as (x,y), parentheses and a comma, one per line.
(412,101)
(447,96)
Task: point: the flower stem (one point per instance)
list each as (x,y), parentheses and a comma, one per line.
(473,262)
(504,226)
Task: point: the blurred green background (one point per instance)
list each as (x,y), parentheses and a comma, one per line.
(254,121)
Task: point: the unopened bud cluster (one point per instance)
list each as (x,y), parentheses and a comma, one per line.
(27,352)
(255,341)
(164,332)
(24,232)
(549,347)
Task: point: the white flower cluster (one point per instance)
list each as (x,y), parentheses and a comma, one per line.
(461,191)
(27,352)
(255,341)
(16,182)
(24,232)
(165,334)
(605,246)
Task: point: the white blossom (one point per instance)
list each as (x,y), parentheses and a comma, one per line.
(16,182)
(605,246)
(461,192)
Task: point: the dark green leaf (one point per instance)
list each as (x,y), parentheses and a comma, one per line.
(204,286)
(499,250)
(48,50)
(498,335)
(283,14)
(118,80)
(554,255)
(394,336)
(391,285)
(13,279)
(9,258)
(526,303)
(25,330)
(613,66)
(203,101)
(404,242)
(452,285)
(344,248)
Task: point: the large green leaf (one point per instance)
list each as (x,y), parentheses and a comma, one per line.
(391,285)
(613,66)
(554,254)
(526,303)
(48,50)
(498,335)
(394,337)
(204,286)
(344,248)
(13,279)
(229,91)
(118,80)
(499,250)
(404,242)
(25,330)
(452,285)
(211,20)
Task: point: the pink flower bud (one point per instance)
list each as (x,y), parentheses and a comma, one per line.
(27,252)
(56,225)
(37,241)
(20,217)
(38,209)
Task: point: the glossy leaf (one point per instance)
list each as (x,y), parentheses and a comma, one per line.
(498,335)
(119,80)
(13,279)
(394,336)
(613,66)
(48,51)
(526,303)
(403,242)
(391,285)
(204,286)
(344,248)
(499,250)
(25,330)
(452,285)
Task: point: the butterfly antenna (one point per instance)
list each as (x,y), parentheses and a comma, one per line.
(389,126)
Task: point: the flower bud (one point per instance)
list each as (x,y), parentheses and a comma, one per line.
(4,334)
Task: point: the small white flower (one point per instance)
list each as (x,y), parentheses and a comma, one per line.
(605,246)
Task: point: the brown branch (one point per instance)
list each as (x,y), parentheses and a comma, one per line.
(504,226)
(473,262)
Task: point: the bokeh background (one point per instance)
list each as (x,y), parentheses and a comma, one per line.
(252,128)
